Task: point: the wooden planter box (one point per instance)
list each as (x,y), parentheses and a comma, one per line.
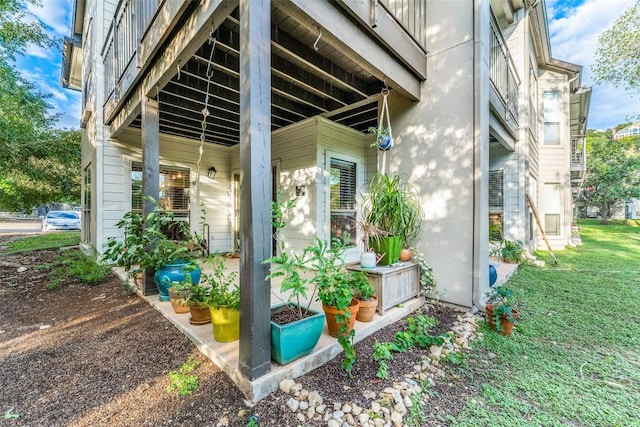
(393,284)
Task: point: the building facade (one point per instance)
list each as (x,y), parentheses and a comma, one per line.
(214,107)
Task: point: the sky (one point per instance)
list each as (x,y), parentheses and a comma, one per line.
(574,28)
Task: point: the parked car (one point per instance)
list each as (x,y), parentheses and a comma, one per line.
(61,220)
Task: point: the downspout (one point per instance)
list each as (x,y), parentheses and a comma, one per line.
(481,21)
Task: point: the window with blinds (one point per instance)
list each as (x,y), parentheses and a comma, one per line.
(496,190)
(174,189)
(342,199)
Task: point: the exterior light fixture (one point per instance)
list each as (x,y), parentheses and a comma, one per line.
(212,172)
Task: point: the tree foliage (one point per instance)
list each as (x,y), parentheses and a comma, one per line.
(38,164)
(618,56)
(613,170)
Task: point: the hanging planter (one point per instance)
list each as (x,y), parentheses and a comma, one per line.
(384,137)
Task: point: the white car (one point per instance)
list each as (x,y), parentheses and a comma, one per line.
(61,220)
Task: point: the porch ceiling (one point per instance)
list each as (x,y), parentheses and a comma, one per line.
(305,82)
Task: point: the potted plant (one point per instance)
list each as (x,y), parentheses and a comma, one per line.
(384,140)
(501,313)
(159,242)
(394,207)
(370,232)
(364,292)
(512,252)
(178,294)
(197,298)
(223,299)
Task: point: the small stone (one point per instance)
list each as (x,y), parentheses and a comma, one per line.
(435,352)
(304,405)
(369,394)
(333,423)
(363,418)
(314,398)
(346,408)
(293,404)
(22,269)
(327,416)
(411,382)
(296,387)
(491,356)
(407,402)
(337,406)
(311,412)
(338,415)
(300,416)
(396,418)
(285,385)
(349,419)
(378,422)
(321,408)
(304,394)
(400,408)
(375,407)
(356,410)
(44,327)
(224,421)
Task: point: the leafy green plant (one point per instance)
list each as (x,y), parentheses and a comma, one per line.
(382,353)
(393,206)
(74,263)
(254,421)
(360,285)
(428,281)
(223,289)
(184,381)
(512,252)
(501,299)
(153,241)
(9,414)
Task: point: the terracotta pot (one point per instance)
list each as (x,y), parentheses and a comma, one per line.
(367,309)
(200,314)
(138,280)
(405,254)
(178,302)
(507,326)
(330,313)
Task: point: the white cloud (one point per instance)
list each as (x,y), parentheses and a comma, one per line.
(574,33)
(56,14)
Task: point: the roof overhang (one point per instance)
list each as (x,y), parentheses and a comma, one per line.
(71,73)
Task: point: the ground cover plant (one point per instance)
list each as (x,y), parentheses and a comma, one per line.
(41,241)
(575,356)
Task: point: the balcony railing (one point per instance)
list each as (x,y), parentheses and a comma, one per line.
(578,153)
(131,20)
(504,78)
(412,16)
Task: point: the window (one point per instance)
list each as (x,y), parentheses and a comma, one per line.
(174,189)
(552,118)
(86,205)
(552,209)
(342,196)
(496,190)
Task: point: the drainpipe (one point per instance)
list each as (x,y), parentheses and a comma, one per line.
(480,261)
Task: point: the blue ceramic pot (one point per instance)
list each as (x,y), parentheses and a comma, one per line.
(175,273)
(493,275)
(385,143)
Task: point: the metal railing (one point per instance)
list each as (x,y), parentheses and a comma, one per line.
(502,71)
(578,152)
(412,16)
(130,21)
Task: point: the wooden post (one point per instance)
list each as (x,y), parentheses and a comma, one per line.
(150,170)
(544,236)
(255,187)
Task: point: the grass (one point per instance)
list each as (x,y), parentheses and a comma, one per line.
(575,356)
(74,263)
(42,241)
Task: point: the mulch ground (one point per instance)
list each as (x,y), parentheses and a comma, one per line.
(81,355)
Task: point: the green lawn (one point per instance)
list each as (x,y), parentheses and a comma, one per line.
(42,241)
(575,357)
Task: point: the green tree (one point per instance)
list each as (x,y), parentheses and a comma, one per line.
(618,56)
(38,164)
(613,171)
